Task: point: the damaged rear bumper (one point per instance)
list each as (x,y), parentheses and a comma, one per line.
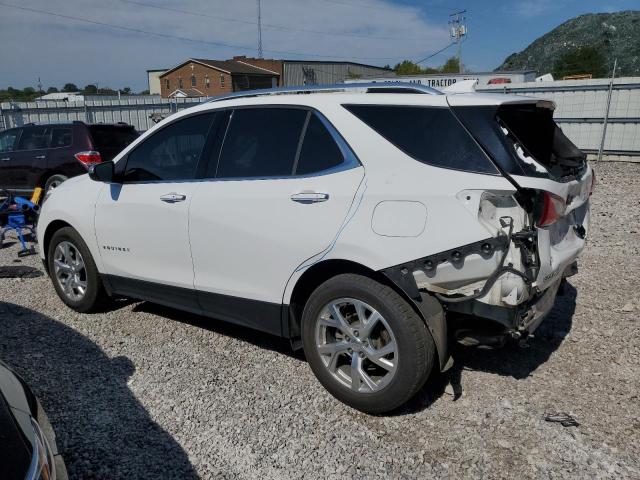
(522,320)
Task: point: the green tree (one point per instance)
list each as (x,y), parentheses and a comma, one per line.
(27,94)
(90,89)
(126,91)
(407,67)
(70,87)
(52,90)
(581,60)
(452,65)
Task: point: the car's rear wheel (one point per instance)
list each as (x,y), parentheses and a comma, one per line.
(365,343)
(73,272)
(53,182)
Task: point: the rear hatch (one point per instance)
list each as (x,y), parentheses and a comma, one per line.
(553,178)
(111,139)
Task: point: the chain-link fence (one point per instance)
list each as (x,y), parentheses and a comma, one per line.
(140,111)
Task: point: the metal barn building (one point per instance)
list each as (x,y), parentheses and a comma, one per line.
(304,72)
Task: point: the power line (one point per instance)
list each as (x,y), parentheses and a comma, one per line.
(184,39)
(266,25)
(435,53)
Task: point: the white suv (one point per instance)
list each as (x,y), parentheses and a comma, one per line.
(370,224)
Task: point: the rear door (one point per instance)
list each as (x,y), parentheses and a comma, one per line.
(142,223)
(8,141)
(277,195)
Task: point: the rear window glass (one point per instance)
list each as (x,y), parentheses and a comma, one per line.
(110,140)
(319,150)
(261,142)
(430,135)
(533,127)
(60,137)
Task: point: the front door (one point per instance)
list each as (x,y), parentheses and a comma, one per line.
(8,140)
(142,223)
(276,198)
(30,157)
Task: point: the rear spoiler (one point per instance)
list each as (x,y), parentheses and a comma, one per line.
(464,86)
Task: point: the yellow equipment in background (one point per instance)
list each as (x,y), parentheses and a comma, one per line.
(37,193)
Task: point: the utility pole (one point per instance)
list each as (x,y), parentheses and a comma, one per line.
(606,114)
(259,30)
(458,30)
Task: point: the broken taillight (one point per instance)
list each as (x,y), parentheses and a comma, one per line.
(553,208)
(88,158)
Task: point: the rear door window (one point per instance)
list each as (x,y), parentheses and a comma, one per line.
(319,150)
(60,137)
(110,140)
(172,153)
(431,135)
(34,138)
(261,142)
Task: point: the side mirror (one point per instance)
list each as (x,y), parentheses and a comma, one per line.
(102,172)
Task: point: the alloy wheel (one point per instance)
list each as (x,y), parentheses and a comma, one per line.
(356,345)
(70,271)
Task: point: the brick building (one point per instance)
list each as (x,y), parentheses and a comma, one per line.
(205,78)
(197,77)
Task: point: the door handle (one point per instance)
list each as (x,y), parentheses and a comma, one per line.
(310,197)
(5,159)
(40,157)
(173,197)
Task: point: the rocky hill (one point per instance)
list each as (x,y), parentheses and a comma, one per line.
(613,35)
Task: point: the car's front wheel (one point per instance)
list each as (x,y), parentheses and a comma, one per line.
(365,343)
(73,271)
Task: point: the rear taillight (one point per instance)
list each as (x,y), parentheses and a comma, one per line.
(88,158)
(553,208)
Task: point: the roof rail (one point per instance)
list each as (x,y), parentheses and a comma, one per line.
(372,87)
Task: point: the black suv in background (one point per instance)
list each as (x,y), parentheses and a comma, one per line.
(46,155)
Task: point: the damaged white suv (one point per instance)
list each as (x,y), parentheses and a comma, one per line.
(359,221)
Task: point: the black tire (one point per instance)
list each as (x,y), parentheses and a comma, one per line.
(415,347)
(52,182)
(95,296)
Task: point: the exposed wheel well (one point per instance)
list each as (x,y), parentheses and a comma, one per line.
(320,273)
(52,228)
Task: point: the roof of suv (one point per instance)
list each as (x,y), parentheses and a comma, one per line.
(385,93)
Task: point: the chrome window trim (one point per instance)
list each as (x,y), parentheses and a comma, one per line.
(350,158)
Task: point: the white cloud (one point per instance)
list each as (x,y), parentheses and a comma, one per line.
(534,8)
(61,49)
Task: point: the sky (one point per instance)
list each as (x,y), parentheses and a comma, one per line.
(114,42)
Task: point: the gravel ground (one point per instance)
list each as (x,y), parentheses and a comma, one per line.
(148,392)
